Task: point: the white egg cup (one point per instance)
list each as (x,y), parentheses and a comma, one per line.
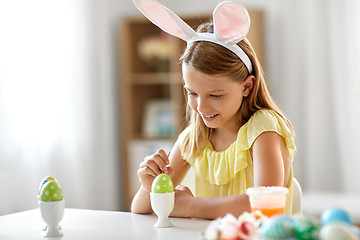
(162,205)
(52,213)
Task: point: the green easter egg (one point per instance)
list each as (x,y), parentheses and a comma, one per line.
(51,192)
(162,184)
(305,228)
(45,180)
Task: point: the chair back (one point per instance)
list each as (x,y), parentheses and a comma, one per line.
(297,198)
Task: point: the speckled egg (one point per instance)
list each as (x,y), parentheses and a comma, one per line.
(337,231)
(51,192)
(305,228)
(277,227)
(335,215)
(162,184)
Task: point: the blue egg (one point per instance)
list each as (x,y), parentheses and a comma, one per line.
(335,215)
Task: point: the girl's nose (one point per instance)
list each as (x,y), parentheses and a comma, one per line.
(202,105)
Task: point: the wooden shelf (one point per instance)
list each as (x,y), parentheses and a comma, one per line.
(155,78)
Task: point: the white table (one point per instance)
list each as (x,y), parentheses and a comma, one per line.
(83,224)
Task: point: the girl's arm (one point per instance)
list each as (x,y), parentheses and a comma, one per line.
(186,205)
(152,166)
(271,160)
(141,201)
(271,168)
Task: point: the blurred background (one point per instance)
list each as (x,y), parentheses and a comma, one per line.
(67,108)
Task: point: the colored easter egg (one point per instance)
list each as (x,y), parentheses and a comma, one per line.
(45,180)
(277,227)
(337,231)
(335,215)
(305,228)
(162,184)
(51,192)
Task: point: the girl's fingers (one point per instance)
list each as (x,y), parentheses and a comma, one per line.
(151,167)
(154,165)
(164,156)
(151,164)
(161,158)
(146,171)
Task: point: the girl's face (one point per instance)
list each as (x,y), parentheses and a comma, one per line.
(216,98)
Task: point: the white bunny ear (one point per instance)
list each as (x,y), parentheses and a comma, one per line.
(231,22)
(165,19)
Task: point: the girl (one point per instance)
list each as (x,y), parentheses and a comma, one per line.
(237,137)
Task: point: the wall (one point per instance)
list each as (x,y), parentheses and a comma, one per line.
(77,60)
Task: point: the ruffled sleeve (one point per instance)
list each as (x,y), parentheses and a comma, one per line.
(270,121)
(221,167)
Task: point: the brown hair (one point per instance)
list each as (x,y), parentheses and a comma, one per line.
(213,59)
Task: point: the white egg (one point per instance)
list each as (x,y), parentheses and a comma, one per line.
(337,231)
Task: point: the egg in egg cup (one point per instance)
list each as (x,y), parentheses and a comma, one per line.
(51,205)
(162,199)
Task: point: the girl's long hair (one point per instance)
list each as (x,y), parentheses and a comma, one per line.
(213,59)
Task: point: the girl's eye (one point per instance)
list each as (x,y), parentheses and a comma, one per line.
(215,96)
(192,94)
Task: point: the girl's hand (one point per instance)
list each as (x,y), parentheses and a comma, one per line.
(151,167)
(183,197)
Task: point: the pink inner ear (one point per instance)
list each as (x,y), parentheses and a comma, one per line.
(163,18)
(231,22)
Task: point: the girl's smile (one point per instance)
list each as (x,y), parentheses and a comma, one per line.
(209,118)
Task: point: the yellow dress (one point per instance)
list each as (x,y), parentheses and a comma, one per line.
(230,172)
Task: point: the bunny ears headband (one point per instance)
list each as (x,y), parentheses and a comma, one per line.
(231,25)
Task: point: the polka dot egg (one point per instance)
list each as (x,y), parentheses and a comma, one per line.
(162,184)
(44,181)
(51,192)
